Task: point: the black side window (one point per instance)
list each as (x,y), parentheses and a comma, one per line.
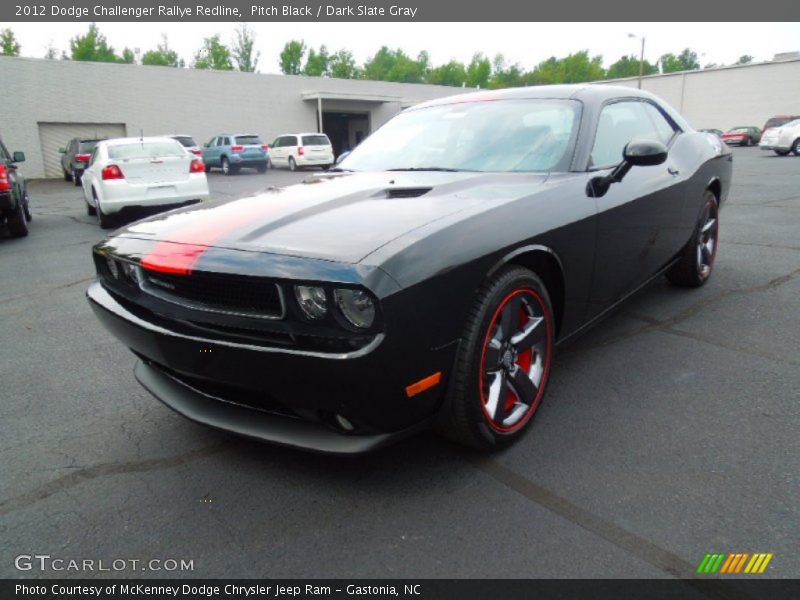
(620,123)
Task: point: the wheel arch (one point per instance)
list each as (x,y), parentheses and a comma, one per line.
(715,187)
(547,265)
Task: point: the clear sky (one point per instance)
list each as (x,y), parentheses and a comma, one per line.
(523,43)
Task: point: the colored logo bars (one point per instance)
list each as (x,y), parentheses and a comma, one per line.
(734,563)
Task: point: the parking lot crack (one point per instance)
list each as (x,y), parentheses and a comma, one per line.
(637,546)
(84,474)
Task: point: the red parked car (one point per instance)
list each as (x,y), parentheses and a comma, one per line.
(743,136)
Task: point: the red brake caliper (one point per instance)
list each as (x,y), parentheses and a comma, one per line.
(523,358)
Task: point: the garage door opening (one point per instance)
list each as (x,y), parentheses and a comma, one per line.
(54,136)
(346,130)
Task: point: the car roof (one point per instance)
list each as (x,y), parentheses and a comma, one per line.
(129,140)
(174,135)
(236,134)
(306,133)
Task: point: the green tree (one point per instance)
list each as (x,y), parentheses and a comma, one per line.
(479,71)
(291,58)
(744,59)
(628,66)
(503,75)
(341,64)
(92,47)
(213,55)
(573,68)
(317,63)
(128,56)
(51,53)
(8,43)
(162,55)
(395,65)
(243,49)
(452,73)
(685,61)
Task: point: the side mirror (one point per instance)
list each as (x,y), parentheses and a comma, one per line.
(18,157)
(62,150)
(342,156)
(637,153)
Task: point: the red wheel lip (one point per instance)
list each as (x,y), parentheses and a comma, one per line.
(546,369)
(712,204)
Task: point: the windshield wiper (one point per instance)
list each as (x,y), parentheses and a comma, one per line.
(446,169)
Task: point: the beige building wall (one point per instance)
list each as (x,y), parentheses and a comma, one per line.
(164,100)
(729,96)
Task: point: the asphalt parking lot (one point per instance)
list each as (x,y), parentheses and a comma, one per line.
(670,430)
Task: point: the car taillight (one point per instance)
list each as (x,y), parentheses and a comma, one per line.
(5,184)
(197,166)
(112,172)
(83,157)
(237,148)
(197,152)
(300,151)
(265,146)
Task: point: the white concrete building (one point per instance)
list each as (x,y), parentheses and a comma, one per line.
(48,102)
(726,97)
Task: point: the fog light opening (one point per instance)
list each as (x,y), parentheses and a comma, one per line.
(344,423)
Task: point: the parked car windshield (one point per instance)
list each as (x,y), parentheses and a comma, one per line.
(86,146)
(504,136)
(185,140)
(316,140)
(739,130)
(145,150)
(248,140)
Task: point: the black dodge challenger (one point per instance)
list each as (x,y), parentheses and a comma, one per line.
(425,281)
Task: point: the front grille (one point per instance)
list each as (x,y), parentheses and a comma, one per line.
(234,294)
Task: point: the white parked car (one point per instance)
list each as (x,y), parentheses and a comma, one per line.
(783,139)
(295,150)
(188,142)
(130,173)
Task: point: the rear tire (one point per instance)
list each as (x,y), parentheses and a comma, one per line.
(91,210)
(503,362)
(207,168)
(782,152)
(292,164)
(796,147)
(17,224)
(226,166)
(262,168)
(696,262)
(103,220)
(67,176)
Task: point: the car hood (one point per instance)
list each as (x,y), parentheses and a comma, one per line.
(338,217)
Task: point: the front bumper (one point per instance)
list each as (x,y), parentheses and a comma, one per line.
(280,395)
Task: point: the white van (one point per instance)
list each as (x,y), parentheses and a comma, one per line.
(296,150)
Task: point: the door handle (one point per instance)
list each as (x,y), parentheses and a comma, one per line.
(673,171)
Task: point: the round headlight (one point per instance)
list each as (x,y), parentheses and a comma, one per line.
(312,300)
(112,267)
(356,306)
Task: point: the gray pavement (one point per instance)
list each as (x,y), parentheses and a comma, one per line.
(669,430)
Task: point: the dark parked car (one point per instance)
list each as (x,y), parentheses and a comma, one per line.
(742,136)
(75,158)
(14,202)
(426,280)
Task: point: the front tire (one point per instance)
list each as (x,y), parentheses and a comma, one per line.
(782,152)
(17,224)
(503,362)
(226,166)
(262,168)
(696,262)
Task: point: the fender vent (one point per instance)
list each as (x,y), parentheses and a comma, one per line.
(406,192)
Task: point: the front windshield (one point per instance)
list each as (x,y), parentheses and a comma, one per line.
(498,136)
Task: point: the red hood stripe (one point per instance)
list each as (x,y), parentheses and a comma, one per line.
(188,243)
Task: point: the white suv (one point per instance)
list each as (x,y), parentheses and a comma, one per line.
(295,150)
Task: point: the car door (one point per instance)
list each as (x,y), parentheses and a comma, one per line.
(210,152)
(276,152)
(638,219)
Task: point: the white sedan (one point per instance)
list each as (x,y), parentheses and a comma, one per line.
(132,173)
(783,139)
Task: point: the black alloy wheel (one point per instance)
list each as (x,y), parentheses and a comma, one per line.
(503,364)
(696,262)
